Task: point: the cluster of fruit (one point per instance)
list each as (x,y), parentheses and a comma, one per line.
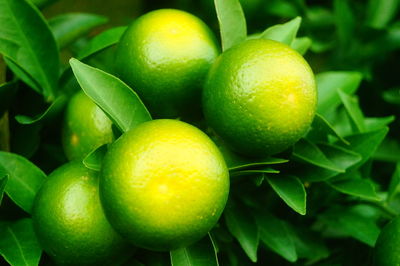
(164,184)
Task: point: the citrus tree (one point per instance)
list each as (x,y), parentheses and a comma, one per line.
(158,142)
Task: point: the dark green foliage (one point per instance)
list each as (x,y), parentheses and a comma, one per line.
(321,202)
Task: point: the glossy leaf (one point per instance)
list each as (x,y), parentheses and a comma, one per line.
(95,158)
(201,253)
(353,109)
(100,42)
(18,243)
(394,185)
(276,235)
(329,82)
(357,187)
(23,75)
(285,33)
(367,143)
(70,26)
(388,151)
(308,152)
(115,98)
(320,128)
(55,108)
(341,157)
(376,123)
(381,12)
(238,162)
(232,22)
(242,225)
(3,183)
(301,44)
(352,224)
(24,181)
(254,171)
(291,190)
(22,41)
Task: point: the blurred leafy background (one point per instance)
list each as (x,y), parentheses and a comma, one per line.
(348,164)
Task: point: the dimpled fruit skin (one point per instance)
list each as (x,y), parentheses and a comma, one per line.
(164,185)
(164,56)
(85,127)
(387,247)
(69,221)
(260,97)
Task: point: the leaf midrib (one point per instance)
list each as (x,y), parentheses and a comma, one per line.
(18,245)
(47,89)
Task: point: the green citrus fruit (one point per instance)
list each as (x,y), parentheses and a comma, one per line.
(260,97)
(69,221)
(164,56)
(387,247)
(85,127)
(163,184)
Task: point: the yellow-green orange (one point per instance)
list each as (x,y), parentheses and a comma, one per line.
(260,97)
(163,184)
(85,127)
(387,247)
(69,221)
(164,56)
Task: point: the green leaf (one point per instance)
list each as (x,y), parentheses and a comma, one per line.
(366,143)
(357,187)
(115,98)
(18,243)
(291,190)
(308,152)
(276,235)
(320,128)
(301,44)
(23,75)
(100,42)
(24,181)
(394,185)
(201,253)
(7,93)
(95,158)
(68,27)
(3,183)
(254,171)
(242,225)
(353,109)
(285,33)
(42,3)
(352,223)
(375,123)
(237,162)
(392,96)
(55,108)
(309,245)
(341,157)
(345,21)
(388,151)
(23,42)
(381,12)
(329,82)
(232,22)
